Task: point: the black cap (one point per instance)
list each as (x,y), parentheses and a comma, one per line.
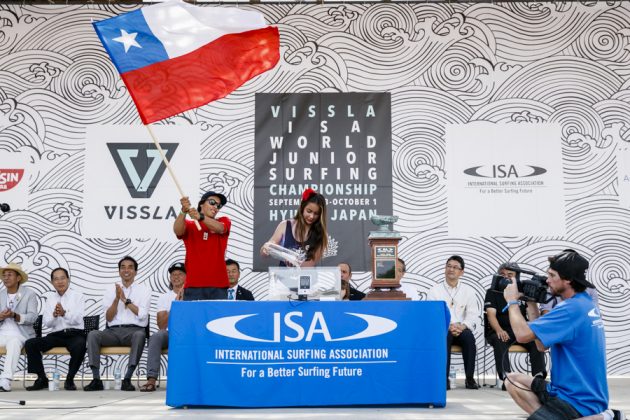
(177,266)
(571,266)
(212,193)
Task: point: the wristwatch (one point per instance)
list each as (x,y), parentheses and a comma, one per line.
(128,302)
(201,217)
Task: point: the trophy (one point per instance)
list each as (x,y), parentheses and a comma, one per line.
(384,245)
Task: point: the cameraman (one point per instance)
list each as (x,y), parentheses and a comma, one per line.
(498,330)
(552,300)
(575,332)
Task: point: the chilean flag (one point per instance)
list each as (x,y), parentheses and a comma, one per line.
(174,56)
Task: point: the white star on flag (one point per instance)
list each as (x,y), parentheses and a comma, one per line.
(128,40)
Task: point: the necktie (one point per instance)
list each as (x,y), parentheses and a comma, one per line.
(230,294)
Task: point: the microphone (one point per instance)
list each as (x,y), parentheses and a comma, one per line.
(5,207)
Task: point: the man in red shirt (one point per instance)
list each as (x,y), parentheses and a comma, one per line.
(206,273)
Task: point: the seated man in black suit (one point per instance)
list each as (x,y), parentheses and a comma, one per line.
(236,292)
(498,330)
(348,292)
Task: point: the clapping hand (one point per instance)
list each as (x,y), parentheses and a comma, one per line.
(120,294)
(59,311)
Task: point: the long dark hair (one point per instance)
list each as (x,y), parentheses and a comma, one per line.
(317,241)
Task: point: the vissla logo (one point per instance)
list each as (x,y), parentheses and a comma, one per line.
(141,165)
(227,327)
(505,171)
(9,178)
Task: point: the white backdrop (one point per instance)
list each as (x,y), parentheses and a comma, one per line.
(564,63)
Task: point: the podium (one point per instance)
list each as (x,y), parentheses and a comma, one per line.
(313,283)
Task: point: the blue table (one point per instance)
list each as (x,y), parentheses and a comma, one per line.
(280,354)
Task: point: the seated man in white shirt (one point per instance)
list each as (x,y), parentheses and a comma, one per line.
(159,339)
(63,314)
(126,307)
(462,304)
(236,291)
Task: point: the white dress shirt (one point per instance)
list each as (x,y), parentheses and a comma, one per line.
(139,295)
(461,302)
(74,305)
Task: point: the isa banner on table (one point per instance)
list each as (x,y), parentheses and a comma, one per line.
(274,354)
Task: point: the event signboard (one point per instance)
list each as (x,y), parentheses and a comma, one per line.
(339,144)
(505,179)
(128,193)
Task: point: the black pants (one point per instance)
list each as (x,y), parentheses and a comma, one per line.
(74,341)
(469,351)
(502,359)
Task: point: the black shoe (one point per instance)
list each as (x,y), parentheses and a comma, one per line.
(618,415)
(471,384)
(69,385)
(503,387)
(126,385)
(40,383)
(95,385)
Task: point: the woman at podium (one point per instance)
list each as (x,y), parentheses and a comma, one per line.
(305,234)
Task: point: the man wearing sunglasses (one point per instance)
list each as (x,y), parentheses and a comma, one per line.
(206,272)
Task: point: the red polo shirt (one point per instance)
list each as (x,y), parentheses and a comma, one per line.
(205,255)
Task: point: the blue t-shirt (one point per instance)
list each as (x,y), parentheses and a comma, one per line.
(575,332)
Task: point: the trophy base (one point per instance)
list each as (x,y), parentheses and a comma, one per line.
(392,294)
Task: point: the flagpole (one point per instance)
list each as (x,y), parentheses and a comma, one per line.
(168,166)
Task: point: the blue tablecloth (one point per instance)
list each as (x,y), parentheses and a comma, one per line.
(275,354)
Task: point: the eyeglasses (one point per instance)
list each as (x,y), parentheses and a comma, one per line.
(215,203)
(454,267)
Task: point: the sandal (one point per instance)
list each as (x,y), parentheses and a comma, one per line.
(148,387)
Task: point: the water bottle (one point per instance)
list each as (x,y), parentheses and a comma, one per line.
(51,380)
(452,376)
(117,379)
(55,380)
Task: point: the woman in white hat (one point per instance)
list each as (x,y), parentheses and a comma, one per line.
(18,312)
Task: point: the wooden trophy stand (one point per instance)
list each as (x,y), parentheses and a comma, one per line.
(384,246)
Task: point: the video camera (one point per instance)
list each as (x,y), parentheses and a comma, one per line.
(534,289)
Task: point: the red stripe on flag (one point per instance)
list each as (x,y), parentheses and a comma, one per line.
(211,72)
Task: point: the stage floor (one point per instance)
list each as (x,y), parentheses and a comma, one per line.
(462,404)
